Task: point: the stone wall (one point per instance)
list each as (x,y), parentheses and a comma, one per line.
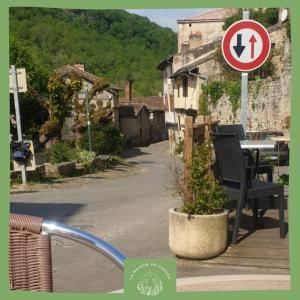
(269,103)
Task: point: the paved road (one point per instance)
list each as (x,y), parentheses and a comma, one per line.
(130,212)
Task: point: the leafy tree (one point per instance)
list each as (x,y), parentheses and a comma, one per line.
(96,115)
(105,140)
(61,93)
(32,111)
(110,42)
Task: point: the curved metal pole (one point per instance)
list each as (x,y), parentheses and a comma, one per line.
(85,238)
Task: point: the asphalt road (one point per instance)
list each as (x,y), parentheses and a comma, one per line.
(131,212)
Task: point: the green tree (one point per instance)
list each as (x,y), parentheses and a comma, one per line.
(32,111)
(110,42)
(62,93)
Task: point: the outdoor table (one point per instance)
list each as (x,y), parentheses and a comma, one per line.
(280,138)
(257,145)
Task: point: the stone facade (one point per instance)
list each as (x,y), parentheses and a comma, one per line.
(200,30)
(136,126)
(269,102)
(269,99)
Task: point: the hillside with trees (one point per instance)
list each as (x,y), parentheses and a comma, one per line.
(112,43)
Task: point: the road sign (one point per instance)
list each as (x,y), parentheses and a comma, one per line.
(21,81)
(246,45)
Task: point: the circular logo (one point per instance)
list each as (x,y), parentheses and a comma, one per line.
(246,45)
(150,279)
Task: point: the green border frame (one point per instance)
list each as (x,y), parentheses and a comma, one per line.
(294,203)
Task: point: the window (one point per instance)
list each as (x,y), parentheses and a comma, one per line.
(178,89)
(185,87)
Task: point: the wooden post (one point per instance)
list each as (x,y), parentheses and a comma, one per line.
(207,124)
(188,158)
(207,140)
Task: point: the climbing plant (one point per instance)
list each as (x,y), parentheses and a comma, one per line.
(233,90)
(97,114)
(215,91)
(203,101)
(59,103)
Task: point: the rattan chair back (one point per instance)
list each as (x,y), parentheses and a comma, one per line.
(30,266)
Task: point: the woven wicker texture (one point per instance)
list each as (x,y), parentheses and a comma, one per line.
(30,266)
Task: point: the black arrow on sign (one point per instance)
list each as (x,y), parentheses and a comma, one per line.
(239,49)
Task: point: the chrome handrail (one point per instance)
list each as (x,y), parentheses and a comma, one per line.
(85,238)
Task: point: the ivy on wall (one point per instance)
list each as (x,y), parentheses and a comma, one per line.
(215,90)
(233,90)
(203,101)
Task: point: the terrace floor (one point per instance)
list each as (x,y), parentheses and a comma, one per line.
(257,252)
(130,210)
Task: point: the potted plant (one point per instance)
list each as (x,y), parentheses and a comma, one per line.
(199,229)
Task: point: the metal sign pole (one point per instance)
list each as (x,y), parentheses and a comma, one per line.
(18,118)
(244,88)
(87,106)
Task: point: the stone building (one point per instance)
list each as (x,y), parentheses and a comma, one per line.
(166,67)
(155,122)
(134,123)
(195,65)
(200,30)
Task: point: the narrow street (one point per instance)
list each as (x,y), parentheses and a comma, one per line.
(131,212)
(213,84)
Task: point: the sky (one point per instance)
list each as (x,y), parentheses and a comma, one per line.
(168,17)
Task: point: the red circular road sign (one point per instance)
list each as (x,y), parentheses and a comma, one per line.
(246,45)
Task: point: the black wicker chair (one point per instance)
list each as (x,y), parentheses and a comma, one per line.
(233,177)
(259,167)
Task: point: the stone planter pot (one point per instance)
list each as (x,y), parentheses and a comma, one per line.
(197,236)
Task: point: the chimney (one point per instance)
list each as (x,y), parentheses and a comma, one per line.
(128,90)
(80,66)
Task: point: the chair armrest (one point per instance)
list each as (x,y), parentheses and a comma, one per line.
(85,238)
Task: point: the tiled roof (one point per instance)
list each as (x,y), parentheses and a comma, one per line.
(153,103)
(65,70)
(215,15)
(130,109)
(164,62)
